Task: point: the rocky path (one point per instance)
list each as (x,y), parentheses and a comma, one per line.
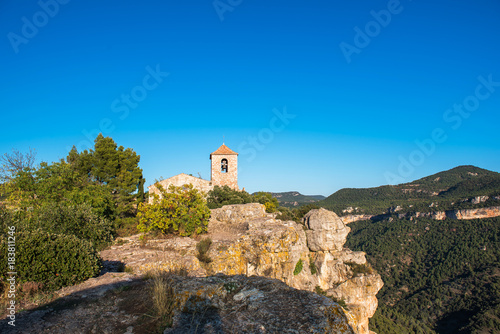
(115,301)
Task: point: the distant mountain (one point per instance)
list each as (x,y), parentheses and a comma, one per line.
(294,198)
(452,189)
(440,277)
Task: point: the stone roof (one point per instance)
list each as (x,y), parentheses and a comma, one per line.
(223,150)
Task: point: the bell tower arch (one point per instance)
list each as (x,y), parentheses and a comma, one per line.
(224,170)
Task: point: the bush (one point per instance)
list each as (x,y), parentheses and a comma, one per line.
(202,247)
(220,196)
(314,270)
(181,210)
(295,214)
(78,220)
(339,301)
(360,269)
(51,259)
(298,267)
(267,199)
(126,226)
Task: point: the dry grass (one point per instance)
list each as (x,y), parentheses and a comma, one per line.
(29,295)
(162,294)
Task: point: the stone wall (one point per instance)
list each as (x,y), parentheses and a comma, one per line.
(225,179)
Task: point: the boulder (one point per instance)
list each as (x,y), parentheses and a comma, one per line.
(326,231)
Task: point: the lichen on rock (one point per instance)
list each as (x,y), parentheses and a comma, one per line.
(272,248)
(241,304)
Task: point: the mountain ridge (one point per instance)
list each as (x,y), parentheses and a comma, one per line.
(448,190)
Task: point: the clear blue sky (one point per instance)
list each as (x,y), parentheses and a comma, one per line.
(315,95)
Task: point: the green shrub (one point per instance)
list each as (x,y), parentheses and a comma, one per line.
(78,220)
(220,196)
(202,247)
(360,269)
(339,301)
(126,227)
(312,266)
(298,267)
(270,202)
(319,291)
(181,210)
(51,259)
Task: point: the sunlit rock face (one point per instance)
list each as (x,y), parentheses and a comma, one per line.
(247,241)
(325,231)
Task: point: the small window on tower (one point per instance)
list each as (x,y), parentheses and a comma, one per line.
(223,166)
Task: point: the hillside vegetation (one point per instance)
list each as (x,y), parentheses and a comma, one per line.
(440,276)
(452,189)
(294,198)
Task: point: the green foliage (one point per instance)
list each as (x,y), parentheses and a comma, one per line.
(77,220)
(439,276)
(116,168)
(51,259)
(298,267)
(339,301)
(98,197)
(295,214)
(126,226)
(220,196)
(267,199)
(360,269)
(312,266)
(202,247)
(319,291)
(180,210)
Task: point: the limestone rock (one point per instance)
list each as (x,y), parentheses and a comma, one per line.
(354,218)
(239,212)
(359,294)
(474,213)
(239,304)
(326,230)
(270,248)
(479,199)
(278,249)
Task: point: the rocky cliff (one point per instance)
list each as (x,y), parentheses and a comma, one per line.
(310,257)
(479,213)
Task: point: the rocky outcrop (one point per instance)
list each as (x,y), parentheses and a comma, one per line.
(474,213)
(325,231)
(354,218)
(479,199)
(459,214)
(241,304)
(480,213)
(238,213)
(306,257)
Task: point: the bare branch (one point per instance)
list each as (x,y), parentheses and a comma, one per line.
(13,163)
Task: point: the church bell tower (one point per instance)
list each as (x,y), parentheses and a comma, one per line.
(224,171)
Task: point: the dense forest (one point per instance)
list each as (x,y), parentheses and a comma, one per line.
(440,276)
(448,190)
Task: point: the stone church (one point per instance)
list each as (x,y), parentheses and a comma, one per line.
(224,172)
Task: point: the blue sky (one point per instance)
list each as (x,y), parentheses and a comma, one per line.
(314,95)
